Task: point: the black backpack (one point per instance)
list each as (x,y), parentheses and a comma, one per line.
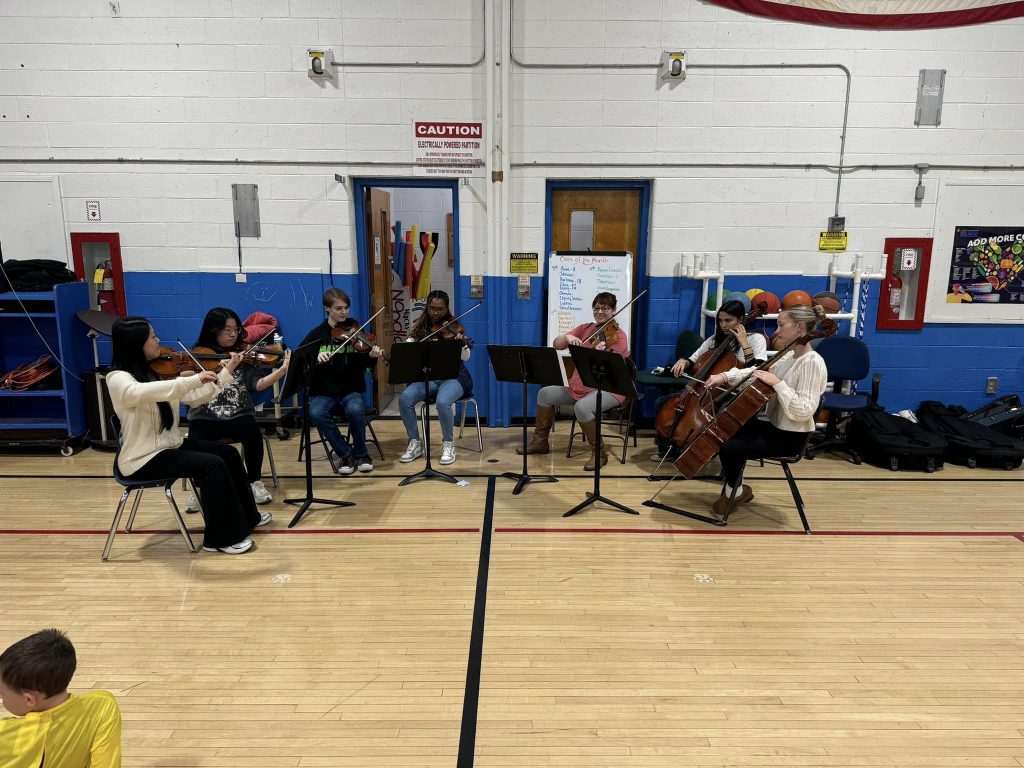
(1004,414)
(970,444)
(34,275)
(894,442)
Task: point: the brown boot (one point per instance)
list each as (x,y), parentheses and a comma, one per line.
(589,429)
(539,444)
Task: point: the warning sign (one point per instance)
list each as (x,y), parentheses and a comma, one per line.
(832,242)
(447,148)
(524,263)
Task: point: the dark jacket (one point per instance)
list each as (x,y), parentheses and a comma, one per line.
(343,373)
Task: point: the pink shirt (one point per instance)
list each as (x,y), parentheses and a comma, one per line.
(621,345)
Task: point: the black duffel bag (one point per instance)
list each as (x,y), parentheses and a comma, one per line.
(894,442)
(970,444)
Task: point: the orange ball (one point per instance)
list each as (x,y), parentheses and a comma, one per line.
(796,299)
(768,298)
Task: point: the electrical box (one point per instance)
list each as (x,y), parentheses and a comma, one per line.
(245,198)
(930,85)
(905,287)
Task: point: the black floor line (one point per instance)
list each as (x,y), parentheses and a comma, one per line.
(471,699)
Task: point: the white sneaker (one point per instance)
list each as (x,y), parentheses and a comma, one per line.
(265,519)
(260,494)
(413,452)
(447,452)
(192,505)
(235,549)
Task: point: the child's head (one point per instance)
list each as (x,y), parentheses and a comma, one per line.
(36,669)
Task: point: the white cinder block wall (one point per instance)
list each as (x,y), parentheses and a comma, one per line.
(210,82)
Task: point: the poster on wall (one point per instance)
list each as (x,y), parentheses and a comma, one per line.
(447,148)
(987,266)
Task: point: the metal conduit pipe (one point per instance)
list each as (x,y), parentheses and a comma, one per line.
(841,67)
(792,166)
(447,65)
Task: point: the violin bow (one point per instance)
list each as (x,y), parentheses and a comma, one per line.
(454,319)
(356,332)
(189,353)
(625,306)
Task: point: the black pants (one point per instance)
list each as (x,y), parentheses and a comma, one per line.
(216,470)
(757,440)
(242,430)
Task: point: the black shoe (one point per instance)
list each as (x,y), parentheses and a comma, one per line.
(347,465)
(364,463)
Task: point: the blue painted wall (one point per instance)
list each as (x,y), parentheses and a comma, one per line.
(940,362)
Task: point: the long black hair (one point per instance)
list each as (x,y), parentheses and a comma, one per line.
(734,308)
(422,325)
(215,322)
(129,335)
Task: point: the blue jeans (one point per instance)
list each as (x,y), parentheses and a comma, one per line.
(444,393)
(320,409)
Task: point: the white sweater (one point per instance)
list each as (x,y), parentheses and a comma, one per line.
(797,396)
(142,435)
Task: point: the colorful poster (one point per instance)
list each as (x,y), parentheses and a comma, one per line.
(987,266)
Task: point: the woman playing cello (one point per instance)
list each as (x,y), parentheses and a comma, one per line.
(748,349)
(799,380)
(583,399)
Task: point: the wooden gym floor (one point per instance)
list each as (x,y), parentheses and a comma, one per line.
(441,625)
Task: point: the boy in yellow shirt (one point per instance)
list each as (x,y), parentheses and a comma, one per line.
(51,727)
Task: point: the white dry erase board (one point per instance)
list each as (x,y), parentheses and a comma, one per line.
(574,278)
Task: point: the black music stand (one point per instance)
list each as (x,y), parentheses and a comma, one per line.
(605,371)
(99,324)
(426,362)
(530,365)
(299,369)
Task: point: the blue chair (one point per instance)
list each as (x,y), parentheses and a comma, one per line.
(847,360)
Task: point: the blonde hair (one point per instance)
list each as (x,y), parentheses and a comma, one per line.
(808,317)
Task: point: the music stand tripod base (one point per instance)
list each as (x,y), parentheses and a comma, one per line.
(605,372)
(525,365)
(305,504)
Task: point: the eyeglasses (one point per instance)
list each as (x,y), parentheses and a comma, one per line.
(231,331)
(602,308)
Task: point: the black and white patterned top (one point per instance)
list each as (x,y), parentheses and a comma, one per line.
(234,401)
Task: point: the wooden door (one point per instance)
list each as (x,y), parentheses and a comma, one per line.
(378,257)
(616,218)
(616,227)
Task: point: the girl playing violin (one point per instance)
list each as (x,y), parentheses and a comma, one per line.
(583,399)
(750,350)
(152,446)
(799,380)
(231,414)
(444,392)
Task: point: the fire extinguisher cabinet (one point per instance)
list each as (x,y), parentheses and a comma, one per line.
(97,257)
(905,286)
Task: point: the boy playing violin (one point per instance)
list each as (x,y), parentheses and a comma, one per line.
(338,381)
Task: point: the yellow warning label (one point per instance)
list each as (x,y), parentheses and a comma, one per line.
(524,263)
(833,242)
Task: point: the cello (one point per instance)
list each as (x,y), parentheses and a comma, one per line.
(720,417)
(677,419)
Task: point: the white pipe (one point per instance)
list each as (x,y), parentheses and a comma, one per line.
(703,303)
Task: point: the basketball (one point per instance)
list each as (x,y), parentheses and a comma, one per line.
(742,298)
(796,299)
(768,298)
(752,292)
(712,302)
(828,301)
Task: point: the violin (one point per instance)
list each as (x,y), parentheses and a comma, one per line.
(721,417)
(170,364)
(347,332)
(675,420)
(608,333)
(450,331)
(265,355)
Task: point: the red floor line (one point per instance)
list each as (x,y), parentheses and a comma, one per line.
(199,532)
(741,532)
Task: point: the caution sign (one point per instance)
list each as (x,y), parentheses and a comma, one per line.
(832,242)
(524,263)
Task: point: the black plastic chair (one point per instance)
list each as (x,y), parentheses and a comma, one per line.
(686,344)
(847,360)
(137,487)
